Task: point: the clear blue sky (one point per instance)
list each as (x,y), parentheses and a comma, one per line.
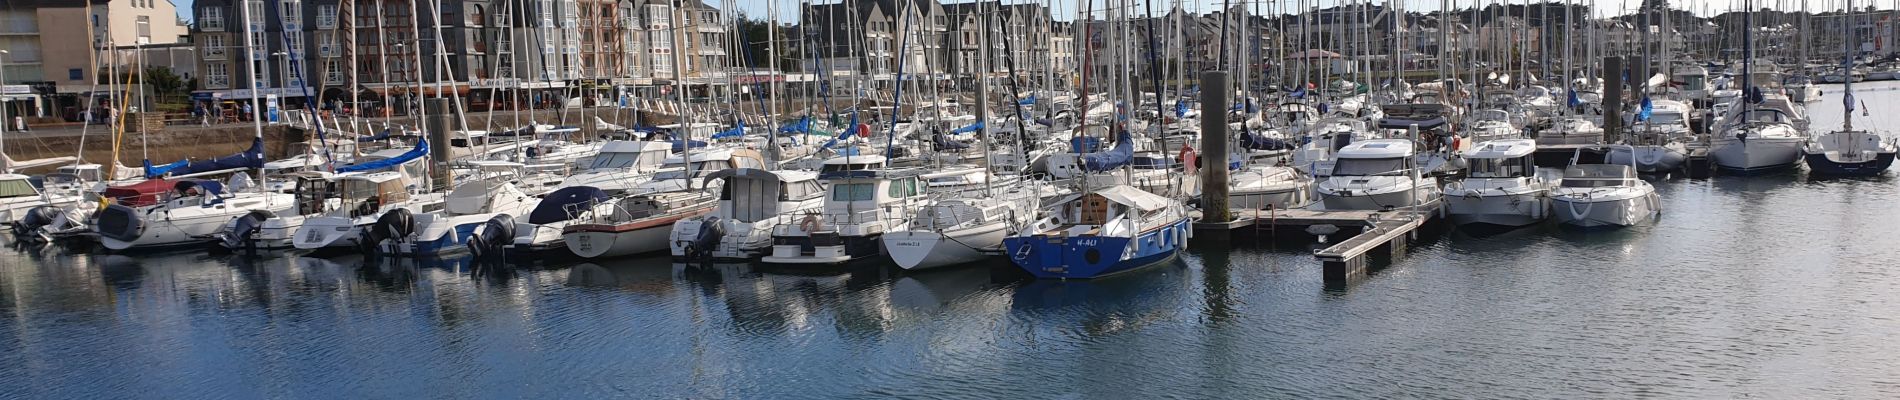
(788,9)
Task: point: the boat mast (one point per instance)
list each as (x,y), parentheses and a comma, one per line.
(1847,70)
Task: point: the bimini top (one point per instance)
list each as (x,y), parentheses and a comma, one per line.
(755,173)
(1377,148)
(1503,148)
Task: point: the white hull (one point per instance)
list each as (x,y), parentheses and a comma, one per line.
(916,250)
(1591,213)
(1758,154)
(1520,209)
(602,244)
(1424,194)
(175,225)
(328,232)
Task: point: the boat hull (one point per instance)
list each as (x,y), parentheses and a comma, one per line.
(1088,256)
(1755,155)
(328,232)
(1359,200)
(1821,164)
(633,237)
(915,250)
(1502,210)
(1597,213)
(1649,159)
(1279,198)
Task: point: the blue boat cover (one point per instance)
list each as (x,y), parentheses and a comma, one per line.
(1027,101)
(556,205)
(211,188)
(802,126)
(1122,154)
(942,143)
(1085,144)
(421,150)
(250,158)
(384,134)
(737,131)
(845,133)
(968,128)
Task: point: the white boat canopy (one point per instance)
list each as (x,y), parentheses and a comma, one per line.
(1133,198)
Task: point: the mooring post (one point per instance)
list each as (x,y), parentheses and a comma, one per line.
(438,126)
(1612,98)
(1215,98)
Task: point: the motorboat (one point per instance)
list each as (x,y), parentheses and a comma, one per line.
(752,202)
(361,199)
(621,164)
(1377,174)
(1264,187)
(466,209)
(1489,125)
(1660,141)
(194,215)
(865,203)
(1570,131)
(1099,233)
(20,198)
(1603,195)
(635,224)
(1501,186)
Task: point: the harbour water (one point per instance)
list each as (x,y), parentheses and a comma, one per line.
(1773,286)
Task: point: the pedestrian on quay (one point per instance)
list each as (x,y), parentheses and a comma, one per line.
(198,112)
(246,117)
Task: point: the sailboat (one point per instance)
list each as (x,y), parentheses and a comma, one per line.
(1848,151)
(1764,131)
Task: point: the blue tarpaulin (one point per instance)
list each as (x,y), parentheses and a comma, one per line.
(565,203)
(1648,108)
(1255,141)
(679,146)
(802,126)
(250,158)
(1027,101)
(384,134)
(1122,154)
(1180,109)
(968,128)
(738,131)
(421,150)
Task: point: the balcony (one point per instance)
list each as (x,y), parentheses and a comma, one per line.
(217,81)
(214,54)
(212,25)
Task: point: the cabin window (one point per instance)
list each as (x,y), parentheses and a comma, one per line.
(1505,168)
(853,191)
(616,160)
(1369,166)
(16,188)
(902,188)
(1664,119)
(801,190)
(1591,183)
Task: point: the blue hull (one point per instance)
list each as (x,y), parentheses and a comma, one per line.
(1084,257)
(1819,164)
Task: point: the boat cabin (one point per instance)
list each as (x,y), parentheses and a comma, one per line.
(752,195)
(1374,157)
(640,156)
(1509,158)
(1087,213)
(856,191)
(695,130)
(365,194)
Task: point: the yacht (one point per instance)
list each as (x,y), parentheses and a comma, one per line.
(1501,186)
(964,226)
(1757,139)
(1603,195)
(1264,187)
(20,199)
(465,210)
(1377,175)
(635,223)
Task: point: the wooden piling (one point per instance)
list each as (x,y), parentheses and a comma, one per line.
(438,124)
(1612,98)
(1216,95)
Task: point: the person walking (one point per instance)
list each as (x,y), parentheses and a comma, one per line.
(247,113)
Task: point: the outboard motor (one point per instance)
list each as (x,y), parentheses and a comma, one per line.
(491,239)
(710,230)
(33,220)
(244,227)
(397,224)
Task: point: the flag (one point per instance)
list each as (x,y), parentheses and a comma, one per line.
(1648,108)
(1180,109)
(1849,99)
(1574,100)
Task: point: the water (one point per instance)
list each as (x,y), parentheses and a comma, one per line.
(1772,286)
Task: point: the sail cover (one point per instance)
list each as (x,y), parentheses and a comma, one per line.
(564,204)
(1256,141)
(421,150)
(1121,155)
(384,134)
(250,158)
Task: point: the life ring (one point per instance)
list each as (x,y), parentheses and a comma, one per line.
(809,224)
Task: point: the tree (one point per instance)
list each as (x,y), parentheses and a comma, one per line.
(164,82)
(756,35)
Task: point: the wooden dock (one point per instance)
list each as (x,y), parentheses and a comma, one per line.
(1389,231)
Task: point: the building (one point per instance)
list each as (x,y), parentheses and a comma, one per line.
(52,58)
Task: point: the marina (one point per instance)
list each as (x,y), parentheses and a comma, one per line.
(1129,201)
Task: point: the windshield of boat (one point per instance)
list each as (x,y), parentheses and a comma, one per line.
(1592,183)
(1501,168)
(700,166)
(16,188)
(853,191)
(1369,166)
(1665,119)
(626,159)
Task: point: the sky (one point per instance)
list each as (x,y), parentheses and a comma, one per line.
(1065,9)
